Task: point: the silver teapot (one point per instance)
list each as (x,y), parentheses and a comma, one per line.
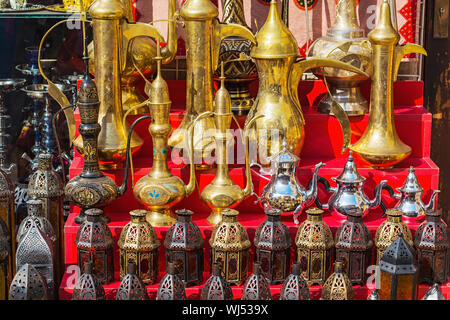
(283,191)
(348,195)
(410,196)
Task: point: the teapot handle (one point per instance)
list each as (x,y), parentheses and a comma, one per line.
(389,189)
(325,184)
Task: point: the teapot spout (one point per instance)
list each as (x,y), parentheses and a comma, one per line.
(430,205)
(378,190)
(311,193)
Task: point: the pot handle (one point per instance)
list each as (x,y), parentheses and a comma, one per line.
(325,184)
(389,189)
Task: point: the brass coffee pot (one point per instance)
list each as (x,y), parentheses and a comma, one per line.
(380,145)
(204,34)
(277,98)
(222,192)
(344,42)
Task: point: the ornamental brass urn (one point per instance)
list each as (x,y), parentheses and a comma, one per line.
(315,245)
(295,286)
(338,286)
(256,286)
(139,243)
(88,286)
(230,246)
(216,287)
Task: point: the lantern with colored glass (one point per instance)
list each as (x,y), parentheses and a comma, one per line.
(230,246)
(139,243)
(184,247)
(399,272)
(273,242)
(315,244)
(354,246)
(94,243)
(431,242)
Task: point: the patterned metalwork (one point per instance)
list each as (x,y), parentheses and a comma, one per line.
(5,257)
(431,242)
(273,243)
(88,286)
(256,287)
(399,272)
(139,243)
(94,243)
(131,287)
(389,230)
(354,247)
(434,293)
(216,287)
(230,246)
(171,286)
(184,247)
(28,284)
(34,207)
(295,286)
(315,244)
(338,286)
(36,248)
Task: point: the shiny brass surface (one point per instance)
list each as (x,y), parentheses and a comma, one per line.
(338,286)
(279,77)
(204,34)
(344,42)
(380,145)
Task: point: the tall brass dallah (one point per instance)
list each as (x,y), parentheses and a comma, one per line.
(222,192)
(277,99)
(380,145)
(112,37)
(204,34)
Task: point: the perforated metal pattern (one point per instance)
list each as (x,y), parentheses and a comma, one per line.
(28,284)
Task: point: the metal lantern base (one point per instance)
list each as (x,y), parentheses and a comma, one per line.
(350,98)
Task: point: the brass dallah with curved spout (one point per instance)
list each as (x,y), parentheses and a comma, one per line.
(380,145)
(204,34)
(277,99)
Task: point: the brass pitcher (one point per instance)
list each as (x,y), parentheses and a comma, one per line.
(204,34)
(222,192)
(345,42)
(277,99)
(380,145)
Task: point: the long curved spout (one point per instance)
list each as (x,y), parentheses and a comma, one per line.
(430,205)
(311,193)
(170,50)
(376,201)
(248,190)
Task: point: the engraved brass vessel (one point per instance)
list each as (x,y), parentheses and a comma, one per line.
(204,34)
(380,145)
(344,42)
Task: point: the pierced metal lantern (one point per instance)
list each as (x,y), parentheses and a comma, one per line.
(434,293)
(36,248)
(230,246)
(256,287)
(131,287)
(8,217)
(431,242)
(139,243)
(94,243)
(45,184)
(273,243)
(374,295)
(315,244)
(399,272)
(295,286)
(184,247)
(34,208)
(338,286)
(216,287)
(28,284)
(389,230)
(354,247)
(88,286)
(5,269)
(171,286)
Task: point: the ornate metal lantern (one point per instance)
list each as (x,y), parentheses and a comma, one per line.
(36,248)
(230,246)
(399,272)
(431,242)
(434,293)
(88,286)
(295,286)
(171,286)
(5,269)
(34,208)
(338,286)
(216,287)
(374,295)
(256,287)
(139,243)
(184,247)
(28,284)
(273,243)
(94,243)
(8,217)
(315,244)
(389,230)
(45,184)
(131,287)
(354,247)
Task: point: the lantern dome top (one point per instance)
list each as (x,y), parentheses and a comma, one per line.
(399,258)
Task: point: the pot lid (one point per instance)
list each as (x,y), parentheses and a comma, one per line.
(284,156)
(350,173)
(411,184)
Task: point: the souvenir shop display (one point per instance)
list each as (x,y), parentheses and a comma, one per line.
(88,286)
